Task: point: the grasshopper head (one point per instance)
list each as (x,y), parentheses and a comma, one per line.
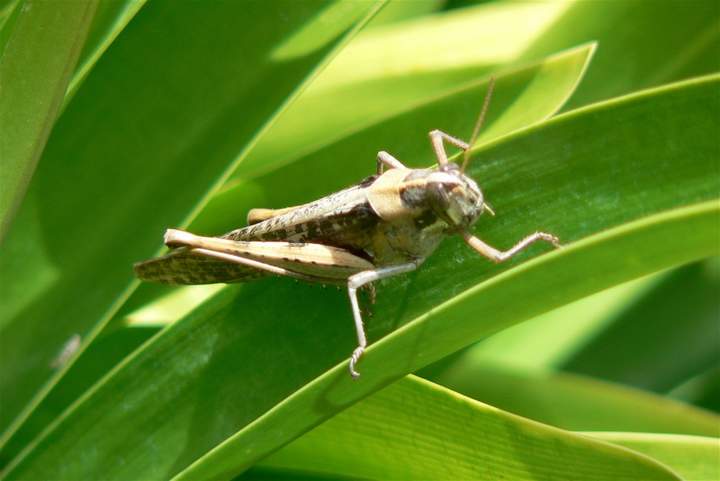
(454,196)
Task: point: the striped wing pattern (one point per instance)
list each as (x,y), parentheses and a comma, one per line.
(343,220)
(184,267)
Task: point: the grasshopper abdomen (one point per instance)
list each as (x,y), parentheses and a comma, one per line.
(386,225)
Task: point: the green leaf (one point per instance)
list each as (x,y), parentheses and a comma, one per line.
(9,11)
(539,159)
(386,71)
(111,18)
(544,342)
(521,98)
(695,458)
(702,390)
(169,109)
(403,11)
(414,429)
(551,83)
(559,74)
(681,311)
(570,401)
(641,44)
(281,475)
(255,347)
(38,53)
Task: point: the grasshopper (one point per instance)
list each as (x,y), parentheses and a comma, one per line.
(386,225)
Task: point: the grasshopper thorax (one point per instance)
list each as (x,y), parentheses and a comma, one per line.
(454,197)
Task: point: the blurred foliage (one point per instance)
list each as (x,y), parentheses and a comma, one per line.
(119,118)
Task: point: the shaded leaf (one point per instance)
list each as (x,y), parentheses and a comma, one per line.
(111,17)
(254,346)
(646,345)
(172,87)
(544,342)
(561,72)
(414,429)
(521,98)
(641,44)
(387,71)
(38,52)
(702,390)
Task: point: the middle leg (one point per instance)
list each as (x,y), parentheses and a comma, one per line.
(354,283)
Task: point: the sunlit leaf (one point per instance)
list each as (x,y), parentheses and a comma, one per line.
(143,142)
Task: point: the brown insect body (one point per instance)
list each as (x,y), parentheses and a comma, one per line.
(387,219)
(386,225)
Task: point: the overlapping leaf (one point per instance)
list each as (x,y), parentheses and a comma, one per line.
(271,398)
(166,112)
(573,402)
(695,458)
(680,311)
(562,72)
(415,429)
(253,352)
(35,67)
(643,44)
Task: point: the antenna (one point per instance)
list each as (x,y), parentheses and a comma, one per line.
(478,124)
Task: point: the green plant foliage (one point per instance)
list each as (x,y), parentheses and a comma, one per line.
(154,132)
(695,458)
(688,294)
(414,429)
(109,21)
(393,69)
(570,401)
(543,343)
(565,67)
(189,114)
(216,345)
(562,70)
(522,98)
(702,390)
(644,44)
(38,63)
(449,326)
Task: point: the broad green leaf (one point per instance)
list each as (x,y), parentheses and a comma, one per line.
(521,98)
(695,458)
(111,17)
(545,342)
(641,44)
(414,429)
(558,75)
(639,179)
(9,12)
(38,53)
(236,365)
(386,71)
(570,401)
(702,390)
(169,109)
(681,311)
(534,92)
(301,132)
(284,474)
(404,11)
